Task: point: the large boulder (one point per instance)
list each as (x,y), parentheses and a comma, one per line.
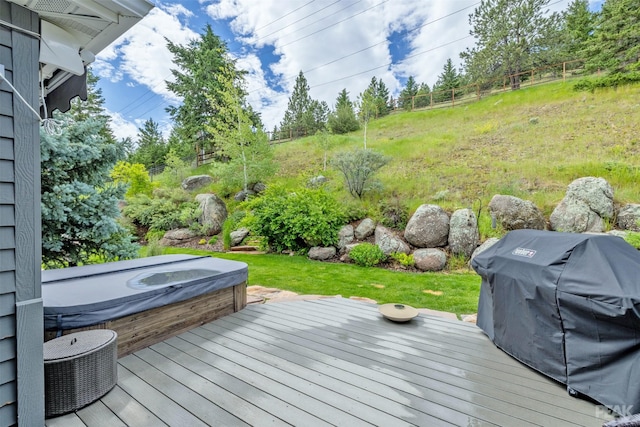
(177,237)
(484,246)
(238,235)
(345,236)
(586,204)
(317,181)
(463,232)
(365,229)
(389,242)
(243,195)
(196,181)
(629,217)
(575,216)
(514,214)
(595,193)
(428,227)
(322,253)
(430,259)
(214,212)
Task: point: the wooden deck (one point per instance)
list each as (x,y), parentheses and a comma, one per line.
(330,362)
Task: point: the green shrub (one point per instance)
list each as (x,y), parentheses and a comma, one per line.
(367,255)
(457,262)
(294,220)
(229,225)
(404,259)
(134,175)
(633,238)
(166,211)
(393,213)
(358,168)
(611,80)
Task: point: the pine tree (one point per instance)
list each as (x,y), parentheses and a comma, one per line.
(406,95)
(423,96)
(79,201)
(578,28)
(383,99)
(343,118)
(299,107)
(447,80)
(616,41)
(198,68)
(511,37)
(244,146)
(151,146)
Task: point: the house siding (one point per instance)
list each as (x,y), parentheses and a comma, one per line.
(21,335)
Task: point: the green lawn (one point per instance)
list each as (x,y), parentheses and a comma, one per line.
(452,292)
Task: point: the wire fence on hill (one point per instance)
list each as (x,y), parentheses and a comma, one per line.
(436,99)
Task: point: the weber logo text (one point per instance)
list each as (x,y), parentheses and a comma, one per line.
(527,253)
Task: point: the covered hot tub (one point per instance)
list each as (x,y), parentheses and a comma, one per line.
(144,300)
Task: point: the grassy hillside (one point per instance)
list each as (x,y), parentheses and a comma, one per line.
(530,143)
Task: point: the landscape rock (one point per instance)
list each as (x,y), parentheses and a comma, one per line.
(258,187)
(585,205)
(575,216)
(629,217)
(428,227)
(322,253)
(463,232)
(430,259)
(238,235)
(317,181)
(513,213)
(177,237)
(365,229)
(595,193)
(389,242)
(214,212)
(243,195)
(345,236)
(484,246)
(196,181)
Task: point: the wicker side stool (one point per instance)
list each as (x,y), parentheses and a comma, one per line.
(79,369)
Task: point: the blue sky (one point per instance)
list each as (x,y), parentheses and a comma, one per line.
(337,44)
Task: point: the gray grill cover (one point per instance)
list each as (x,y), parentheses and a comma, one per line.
(568,305)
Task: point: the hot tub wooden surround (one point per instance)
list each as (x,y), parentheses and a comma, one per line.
(145,301)
(143,329)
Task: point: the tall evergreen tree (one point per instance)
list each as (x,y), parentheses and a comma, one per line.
(383,97)
(447,80)
(423,96)
(196,80)
(78,200)
(406,95)
(577,28)
(300,103)
(244,146)
(343,118)
(151,148)
(616,41)
(511,37)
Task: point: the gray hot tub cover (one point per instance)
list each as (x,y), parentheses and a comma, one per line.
(568,306)
(76,297)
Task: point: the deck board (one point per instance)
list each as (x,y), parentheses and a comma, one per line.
(330,362)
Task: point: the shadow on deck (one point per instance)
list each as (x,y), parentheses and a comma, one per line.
(330,362)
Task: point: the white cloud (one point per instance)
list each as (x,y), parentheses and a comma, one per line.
(344,45)
(121,127)
(336,44)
